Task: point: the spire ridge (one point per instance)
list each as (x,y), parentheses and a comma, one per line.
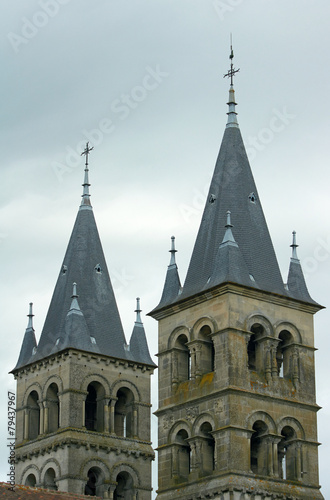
(30,316)
(85,202)
(294,246)
(138,311)
(232,115)
(172,252)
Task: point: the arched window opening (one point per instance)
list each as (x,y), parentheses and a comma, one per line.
(287,454)
(53,408)
(183,358)
(49,481)
(30,481)
(258,453)
(34,415)
(94,485)
(251,349)
(124,413)
(183,455)
(255,356)
(283,357)
(207,352)
(208,447)
(124,489)
(94,407)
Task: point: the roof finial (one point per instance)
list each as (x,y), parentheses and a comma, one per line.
(172,251)
(85,196)
(232,115)
(294,246)
(30,316)
(228,236)
(138,310)
(74,303)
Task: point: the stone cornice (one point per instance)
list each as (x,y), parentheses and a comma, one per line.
(233,288)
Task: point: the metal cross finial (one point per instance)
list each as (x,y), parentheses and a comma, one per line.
(232,70)
(86,152)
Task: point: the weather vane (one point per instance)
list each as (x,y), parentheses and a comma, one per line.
(86,152)
(232,70)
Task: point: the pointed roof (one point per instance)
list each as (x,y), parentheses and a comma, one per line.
(172,285)
(94,323)
(296,282)
(138,346)
(75,333)
(233,187)
(29,342)
(229,264)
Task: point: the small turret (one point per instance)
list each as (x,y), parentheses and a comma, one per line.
(138,346)
(29,343)
(172,286)
(296,281)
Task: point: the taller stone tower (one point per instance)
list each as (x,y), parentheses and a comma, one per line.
(83,393)
(237,409)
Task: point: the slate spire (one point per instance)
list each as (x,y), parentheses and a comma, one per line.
(233,187)
(29,344)
(296,282)
(172,286)
(138,346)
(100,328)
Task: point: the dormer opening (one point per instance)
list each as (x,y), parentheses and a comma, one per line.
(98,269)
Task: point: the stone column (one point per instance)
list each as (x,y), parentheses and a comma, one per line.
(298,461)
(83,413)
(112,415)
(41,418)
(193,363)
(175,464)
(59,411)
(46,416)
(26,424)
(135,421)
(106,416)
(198,371)
(175,379)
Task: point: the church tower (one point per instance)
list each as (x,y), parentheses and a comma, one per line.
(83,393)
(237,409)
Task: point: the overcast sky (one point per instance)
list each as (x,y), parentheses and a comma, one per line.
(143,81)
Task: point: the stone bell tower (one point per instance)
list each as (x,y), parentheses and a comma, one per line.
(83,393)
(237,408)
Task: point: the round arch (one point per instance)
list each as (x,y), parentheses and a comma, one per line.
(279,327)
(204,321)
(178,426)
(291,422)
(179,330)
(123,467)
(94,377)
(30,469)
(54,379)
(33,387)
(123,383)
(263,417)
(89,463)
(50,463)
(202,419)
(257,319)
